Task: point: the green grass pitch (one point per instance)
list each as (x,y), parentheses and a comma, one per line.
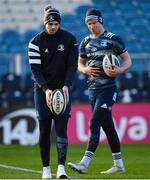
(136,159)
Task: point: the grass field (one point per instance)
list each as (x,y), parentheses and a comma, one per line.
(136,158)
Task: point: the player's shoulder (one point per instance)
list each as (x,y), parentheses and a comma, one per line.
(112,36)
(109,35)
(66,33)
(38,37)
(86,39)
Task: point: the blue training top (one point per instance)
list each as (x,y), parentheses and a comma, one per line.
(94,49)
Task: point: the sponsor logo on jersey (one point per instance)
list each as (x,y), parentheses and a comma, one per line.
(91,48)
(60,47)
(103,43)
(46,50)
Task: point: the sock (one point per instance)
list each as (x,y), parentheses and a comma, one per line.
(87,158)
(46,172)
(46,167)
(61,167)
(117,159)
(62,144)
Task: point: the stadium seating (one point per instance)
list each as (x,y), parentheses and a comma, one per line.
(80,89)
(10,82)
(13,98)
(130,19)
(146,85)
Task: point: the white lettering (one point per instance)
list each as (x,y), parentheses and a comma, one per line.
(121,129)
(20,132)
(80,126)
(138,129)
(135,128)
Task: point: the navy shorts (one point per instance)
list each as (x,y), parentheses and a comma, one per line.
(103,98)
(42,110)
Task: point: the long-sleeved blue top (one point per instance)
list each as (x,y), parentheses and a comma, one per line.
(53,59)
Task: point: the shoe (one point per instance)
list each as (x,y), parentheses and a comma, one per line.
(79,167)
(46,173)
(114,169)
(61,174)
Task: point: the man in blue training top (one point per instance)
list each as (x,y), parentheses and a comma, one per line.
(102,88)
(53,55)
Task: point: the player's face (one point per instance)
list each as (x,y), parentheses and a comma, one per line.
(52,27)
(95,27)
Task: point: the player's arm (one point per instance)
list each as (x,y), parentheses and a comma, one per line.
(115,70)
(35,64)
(71,62)
(71,67)
(126,62)
(91,69)
(125,57)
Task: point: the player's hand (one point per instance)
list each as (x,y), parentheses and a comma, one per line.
(66,93)
(92,70)
(48,94)
(113,71)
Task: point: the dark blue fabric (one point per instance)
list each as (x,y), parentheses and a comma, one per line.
(58,66)
(101,102)
(99,97)
(94,50)
(45,117)
(42,110)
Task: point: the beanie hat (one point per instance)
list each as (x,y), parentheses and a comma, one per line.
(51,14)
(94,14)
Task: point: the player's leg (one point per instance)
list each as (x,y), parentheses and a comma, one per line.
(112,136)
(114,143)
(43,115)
(98,117)
(62,141)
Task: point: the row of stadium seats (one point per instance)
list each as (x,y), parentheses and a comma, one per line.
(21,20)
(14,89)
(131,20)
(132,87)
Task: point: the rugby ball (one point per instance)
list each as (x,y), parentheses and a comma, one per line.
(108,61)
(58,102)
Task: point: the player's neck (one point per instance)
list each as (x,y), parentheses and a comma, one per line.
(99,33)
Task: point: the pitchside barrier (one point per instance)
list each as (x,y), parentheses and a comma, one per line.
(19,125)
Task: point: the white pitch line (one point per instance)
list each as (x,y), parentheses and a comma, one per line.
(19,168)
(26,170)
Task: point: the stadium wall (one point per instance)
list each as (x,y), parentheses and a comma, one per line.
(19,125)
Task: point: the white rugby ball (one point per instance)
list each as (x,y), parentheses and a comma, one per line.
(108,61)
(58,102)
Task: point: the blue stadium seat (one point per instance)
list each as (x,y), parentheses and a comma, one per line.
(28,35)
(80,89)
(129,87)
(146,79)
(82,9)
(5,60)
(29,95)
(129,80)
(14,97)
(28,82)
(10,81)
(28,88)
(146,85)
(131,20)
(145,6)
